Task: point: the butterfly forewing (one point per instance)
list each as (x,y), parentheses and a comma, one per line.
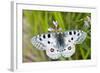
(36,43)
(43,41)
(74,36)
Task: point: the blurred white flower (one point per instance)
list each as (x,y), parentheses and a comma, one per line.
(50,29)
(55,28)
(88,19)
(55,23)
(86,24)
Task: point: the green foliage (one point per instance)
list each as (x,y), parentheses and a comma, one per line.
(37,22)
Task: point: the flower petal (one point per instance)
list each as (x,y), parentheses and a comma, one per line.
(86,24)
(88,19)
(55,23)
(50,29)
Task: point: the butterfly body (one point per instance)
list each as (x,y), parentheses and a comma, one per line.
(57,44)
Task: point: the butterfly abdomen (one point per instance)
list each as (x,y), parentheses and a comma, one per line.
(60,40)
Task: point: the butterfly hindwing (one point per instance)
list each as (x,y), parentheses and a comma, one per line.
(68,50)
(53,52)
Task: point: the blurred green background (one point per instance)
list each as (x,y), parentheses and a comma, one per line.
(37,22)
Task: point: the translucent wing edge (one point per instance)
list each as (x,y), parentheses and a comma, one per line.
(37,44)
(81,38)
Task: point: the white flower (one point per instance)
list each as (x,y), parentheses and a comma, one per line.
(55,23)
(55,28)
(88,19)
(50,29)
(86,24)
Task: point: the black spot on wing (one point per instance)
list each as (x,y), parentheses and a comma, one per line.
(40,39)
(52,50)
(78,34)
(71,38)
(69,48)
(74,32)
(44,36)
(70,33)
(48,42)
(49,35)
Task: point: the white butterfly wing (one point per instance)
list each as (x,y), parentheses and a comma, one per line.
(46,42)
(68,50)
(74,36)
(53,53)
(71,38)
(38,43)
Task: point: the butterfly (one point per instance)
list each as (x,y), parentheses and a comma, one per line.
(59,44)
